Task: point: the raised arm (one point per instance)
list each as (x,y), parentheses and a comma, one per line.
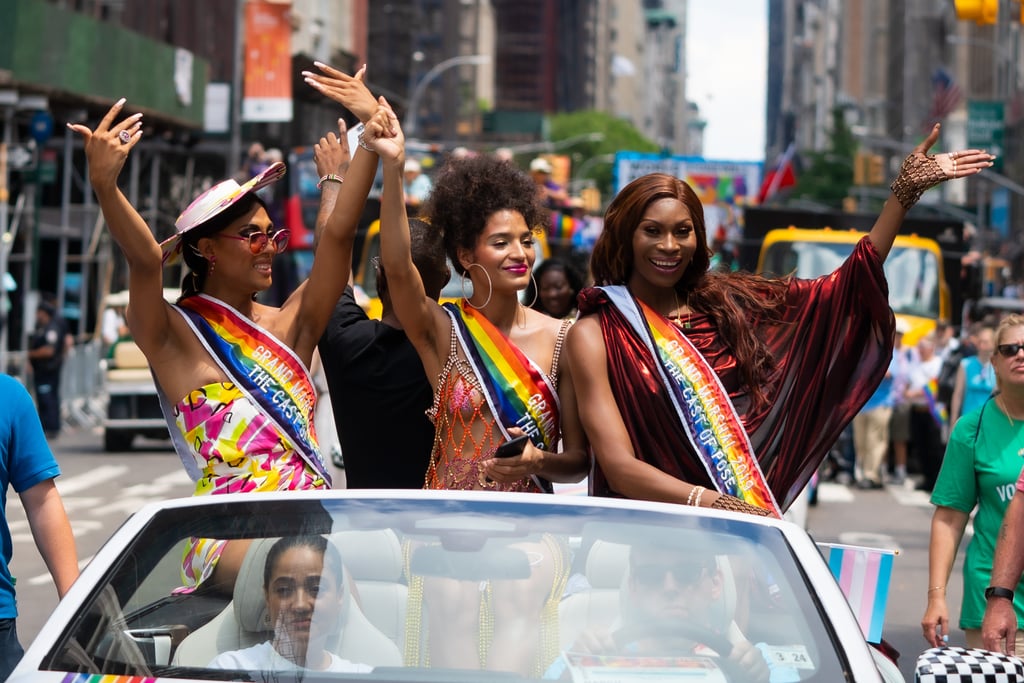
(424,322)
(332,262)
(919,172)
(331,156)
(106,149)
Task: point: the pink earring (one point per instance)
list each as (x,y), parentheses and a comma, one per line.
(213,264)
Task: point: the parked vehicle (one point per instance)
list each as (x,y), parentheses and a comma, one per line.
(126,617)
(133,408)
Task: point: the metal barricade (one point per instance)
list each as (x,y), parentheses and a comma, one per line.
(83,401)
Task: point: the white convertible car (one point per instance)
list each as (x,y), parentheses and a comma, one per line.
(454,586)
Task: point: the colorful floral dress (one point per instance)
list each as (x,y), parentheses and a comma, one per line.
(237,449)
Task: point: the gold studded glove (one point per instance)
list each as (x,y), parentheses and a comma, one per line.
(733,504)
(918,173)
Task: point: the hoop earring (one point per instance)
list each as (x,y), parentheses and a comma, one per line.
(490,287)
(536,289)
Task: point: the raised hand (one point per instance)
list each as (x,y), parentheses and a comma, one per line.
(383,135)
(108,145)
(331,154)
(921,170)
(348,91)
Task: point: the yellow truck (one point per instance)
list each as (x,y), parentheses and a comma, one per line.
(918,291)
(925,270)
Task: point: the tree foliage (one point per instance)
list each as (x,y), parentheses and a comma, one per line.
(595,157)
(827,176)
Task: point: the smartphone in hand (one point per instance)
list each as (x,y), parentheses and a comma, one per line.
(511,448)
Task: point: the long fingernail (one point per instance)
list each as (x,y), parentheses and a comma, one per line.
(319,65)
(120,102)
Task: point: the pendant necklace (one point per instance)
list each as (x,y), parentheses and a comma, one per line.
(1013,425)
(676,316)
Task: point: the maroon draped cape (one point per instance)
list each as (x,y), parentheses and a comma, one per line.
(831,344)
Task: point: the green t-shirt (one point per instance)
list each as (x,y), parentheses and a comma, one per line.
(981,468)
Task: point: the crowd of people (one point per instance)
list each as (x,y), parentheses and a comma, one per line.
(676,382)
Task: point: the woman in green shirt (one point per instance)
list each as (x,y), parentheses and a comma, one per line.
(980,469)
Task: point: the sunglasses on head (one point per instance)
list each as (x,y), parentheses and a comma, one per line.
(1009,350)
(258,241)
(653,575)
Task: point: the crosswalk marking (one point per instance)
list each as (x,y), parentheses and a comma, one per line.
(829,492)
(90,479)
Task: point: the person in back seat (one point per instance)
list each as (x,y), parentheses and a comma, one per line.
(304,586)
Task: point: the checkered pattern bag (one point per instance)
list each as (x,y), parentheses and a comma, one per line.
(967,665)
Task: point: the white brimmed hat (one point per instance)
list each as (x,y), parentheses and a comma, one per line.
(540,164)
(212,202)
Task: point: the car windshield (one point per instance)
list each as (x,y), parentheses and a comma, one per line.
(432,589)
(913,274)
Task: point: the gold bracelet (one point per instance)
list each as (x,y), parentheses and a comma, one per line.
(936,588)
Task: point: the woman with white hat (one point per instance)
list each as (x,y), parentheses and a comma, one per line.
(232,372)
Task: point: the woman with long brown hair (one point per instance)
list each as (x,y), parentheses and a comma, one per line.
(727,389)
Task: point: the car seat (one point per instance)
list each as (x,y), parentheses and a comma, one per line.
(597,607)
(241,624)
(378,570)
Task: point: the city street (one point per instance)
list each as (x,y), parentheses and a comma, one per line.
(100,489)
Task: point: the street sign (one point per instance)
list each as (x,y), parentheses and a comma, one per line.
(985,128)
(19,157)
(41,127)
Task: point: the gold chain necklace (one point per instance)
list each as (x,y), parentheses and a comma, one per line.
(1013,424)
(676,316)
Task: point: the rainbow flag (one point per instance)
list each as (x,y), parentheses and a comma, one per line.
(563,227)
(863,575)
(936,407)
(106,678)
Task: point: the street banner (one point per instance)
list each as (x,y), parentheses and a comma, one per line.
(863,575)
(731,182)
(267,95)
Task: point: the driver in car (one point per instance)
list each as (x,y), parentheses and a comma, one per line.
(673,601)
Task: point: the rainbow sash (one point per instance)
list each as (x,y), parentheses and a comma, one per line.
(518,392)
(701,402)
(267,371)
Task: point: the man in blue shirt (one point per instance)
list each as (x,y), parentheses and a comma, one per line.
(28,466)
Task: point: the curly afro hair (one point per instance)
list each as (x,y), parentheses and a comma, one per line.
(468,191)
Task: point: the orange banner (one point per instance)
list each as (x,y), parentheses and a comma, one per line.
(267,95)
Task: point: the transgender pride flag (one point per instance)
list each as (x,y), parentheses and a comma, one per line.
(863,574)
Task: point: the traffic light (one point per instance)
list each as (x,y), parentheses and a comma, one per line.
(860,163)
(876,170)
(980,11)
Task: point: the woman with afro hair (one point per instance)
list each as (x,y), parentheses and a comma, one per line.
(497,373)
(495,365)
